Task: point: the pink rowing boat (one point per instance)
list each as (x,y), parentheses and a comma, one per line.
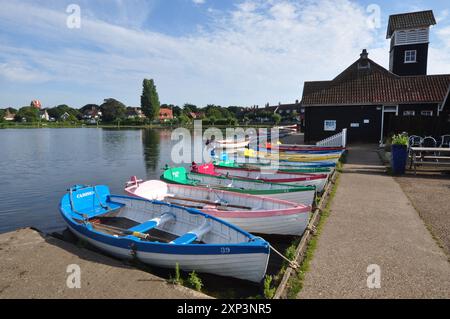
(256,214)
(302,179)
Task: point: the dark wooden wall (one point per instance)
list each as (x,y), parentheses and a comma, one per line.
(402,68)
(344,116)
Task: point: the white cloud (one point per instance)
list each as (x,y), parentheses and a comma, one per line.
(198,1)
(261,51)
(17,72)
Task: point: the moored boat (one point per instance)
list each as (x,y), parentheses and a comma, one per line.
(230,144)
(291,157)
(162,234)
(274,162)
(318,180)
(255,214)
(280,167)
(307,148)
(300,152)
(293,193)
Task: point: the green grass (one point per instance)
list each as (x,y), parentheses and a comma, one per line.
(295,283)
(194,281)
(269,291)
(177,280)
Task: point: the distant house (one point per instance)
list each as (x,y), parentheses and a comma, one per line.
(9,116)
(134,113)
(165,114)
(65,116)
(286,110)
(196,115)
(92,115)
(43,115)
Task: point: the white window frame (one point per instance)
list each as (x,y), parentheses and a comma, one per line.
(426,113)
(406,55)
(409,113)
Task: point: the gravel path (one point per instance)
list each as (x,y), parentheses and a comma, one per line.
(430,195)
(373,222)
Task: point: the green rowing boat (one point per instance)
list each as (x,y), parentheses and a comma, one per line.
(294,193)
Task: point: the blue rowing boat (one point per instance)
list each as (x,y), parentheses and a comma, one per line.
(163,234)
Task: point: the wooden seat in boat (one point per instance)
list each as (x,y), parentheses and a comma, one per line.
(193,235)
(91,212)
(152,223)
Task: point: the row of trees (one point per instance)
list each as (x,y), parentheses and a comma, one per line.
(114,111)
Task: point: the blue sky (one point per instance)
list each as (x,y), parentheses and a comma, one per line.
(225,52)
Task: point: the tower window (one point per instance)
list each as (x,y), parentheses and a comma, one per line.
(410,56)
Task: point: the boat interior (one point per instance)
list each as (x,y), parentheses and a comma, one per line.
(205,198)
(151,221)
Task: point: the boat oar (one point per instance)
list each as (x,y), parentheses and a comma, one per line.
(122,231)
(128,232)
(194,206)
(208,202)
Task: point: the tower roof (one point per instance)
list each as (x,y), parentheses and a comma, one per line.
(410,20)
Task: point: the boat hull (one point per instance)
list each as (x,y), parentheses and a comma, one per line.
(281,168)
(266,215)
(196,241)
(306,148)
(296,179)
(251,267)
(243,186)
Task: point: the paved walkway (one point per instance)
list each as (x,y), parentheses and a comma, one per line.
(33,266)
(373,222)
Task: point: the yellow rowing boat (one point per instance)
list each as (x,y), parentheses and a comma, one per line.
(292,157)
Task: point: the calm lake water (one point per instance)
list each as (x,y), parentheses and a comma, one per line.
(38,165)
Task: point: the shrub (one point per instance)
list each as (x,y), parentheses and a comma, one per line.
(400,139)
(268,291)
(194,281)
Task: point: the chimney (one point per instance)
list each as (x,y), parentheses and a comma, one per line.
(364,54)
(363,61)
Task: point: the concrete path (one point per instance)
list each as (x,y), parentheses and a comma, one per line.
(373,222)
(33,266)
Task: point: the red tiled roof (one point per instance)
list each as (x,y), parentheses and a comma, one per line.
(375,85)
(165,113)
(410,20)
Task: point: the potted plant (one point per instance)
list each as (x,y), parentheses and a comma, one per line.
(399,153)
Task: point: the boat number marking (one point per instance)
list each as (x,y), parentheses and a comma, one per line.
(225,250)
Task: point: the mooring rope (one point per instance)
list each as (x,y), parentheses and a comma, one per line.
(292,263)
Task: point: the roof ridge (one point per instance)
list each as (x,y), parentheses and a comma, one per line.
(404,13)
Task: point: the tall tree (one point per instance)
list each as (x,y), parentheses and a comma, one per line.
(149,99)
(29,113)
(112,110)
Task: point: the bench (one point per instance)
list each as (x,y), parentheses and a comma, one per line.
(418,156)
(152,223)
(193,235)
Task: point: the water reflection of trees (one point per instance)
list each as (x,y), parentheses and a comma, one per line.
(150,142)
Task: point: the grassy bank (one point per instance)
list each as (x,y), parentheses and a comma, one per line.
(16,125)
(295,283)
